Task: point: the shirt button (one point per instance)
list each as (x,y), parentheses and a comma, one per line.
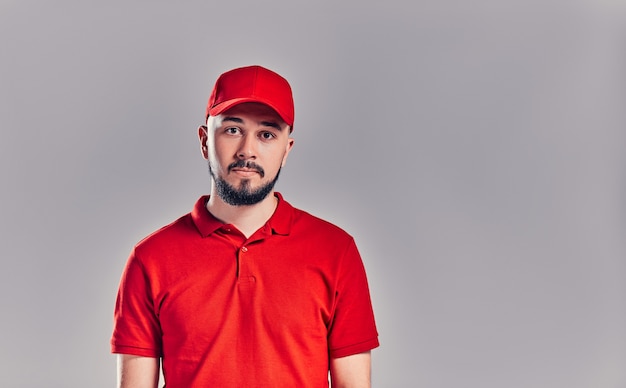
(244,249)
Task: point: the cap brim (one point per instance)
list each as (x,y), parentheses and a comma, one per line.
(225,105)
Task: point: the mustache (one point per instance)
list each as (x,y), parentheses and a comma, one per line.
(247,164)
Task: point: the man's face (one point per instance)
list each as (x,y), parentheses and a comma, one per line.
(246,146)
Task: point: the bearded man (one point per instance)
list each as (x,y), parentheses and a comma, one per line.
(245,290)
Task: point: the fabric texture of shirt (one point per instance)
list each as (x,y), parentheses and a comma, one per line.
(224,310)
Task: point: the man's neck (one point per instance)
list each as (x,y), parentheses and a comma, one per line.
(248,219)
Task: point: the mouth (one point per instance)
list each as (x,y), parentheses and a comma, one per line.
(246,169)
(245,172)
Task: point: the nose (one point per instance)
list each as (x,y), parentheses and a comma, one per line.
(247,149)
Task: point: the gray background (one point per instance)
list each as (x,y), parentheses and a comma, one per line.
(476,151)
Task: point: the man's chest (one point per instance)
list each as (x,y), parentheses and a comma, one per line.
(248,296)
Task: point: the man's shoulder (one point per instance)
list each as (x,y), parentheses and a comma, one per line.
(189,226)
(310,223)
(175,230)
(321,240)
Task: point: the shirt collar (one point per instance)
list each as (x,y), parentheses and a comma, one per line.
(280,222)
(204,221)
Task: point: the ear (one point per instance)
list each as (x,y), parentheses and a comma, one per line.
(288,148)
(203,137)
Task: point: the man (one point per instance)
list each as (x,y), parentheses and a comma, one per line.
(245,291)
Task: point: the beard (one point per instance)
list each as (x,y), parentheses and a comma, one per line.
(244,195)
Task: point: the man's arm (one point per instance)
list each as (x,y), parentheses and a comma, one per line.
(137,372)
(351,371)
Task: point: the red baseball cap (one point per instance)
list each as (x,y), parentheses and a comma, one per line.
(252,84)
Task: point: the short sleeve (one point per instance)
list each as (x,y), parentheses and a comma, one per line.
(353,328)
(136,328)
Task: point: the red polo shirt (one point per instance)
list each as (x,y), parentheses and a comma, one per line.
(226,311)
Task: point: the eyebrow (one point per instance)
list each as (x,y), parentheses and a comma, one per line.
(235,119)
(271,124)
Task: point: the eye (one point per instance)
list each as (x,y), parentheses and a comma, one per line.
(232,130)
(267,135)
